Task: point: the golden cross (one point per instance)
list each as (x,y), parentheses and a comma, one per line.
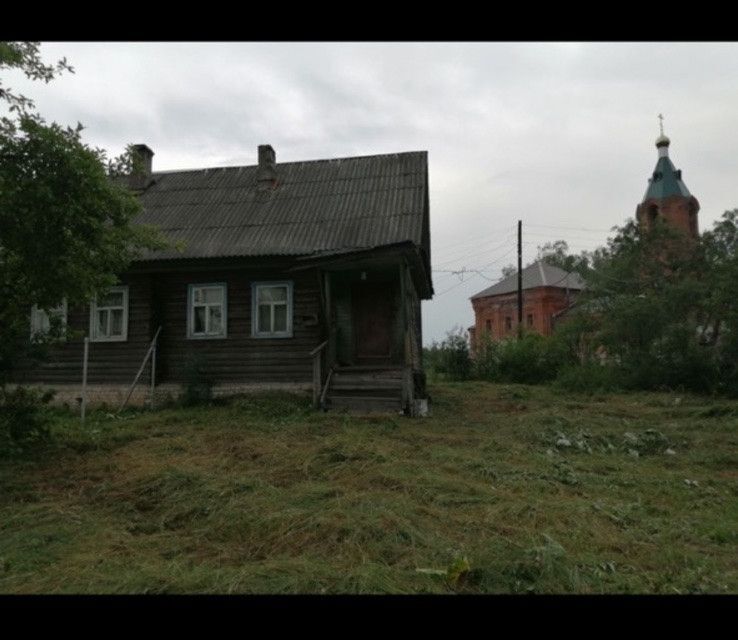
(661,123)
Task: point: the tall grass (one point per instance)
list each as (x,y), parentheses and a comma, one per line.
(505,489)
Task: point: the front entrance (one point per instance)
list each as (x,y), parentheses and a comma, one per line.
(372,312)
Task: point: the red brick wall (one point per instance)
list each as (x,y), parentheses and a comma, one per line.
(541,303)
(678,212)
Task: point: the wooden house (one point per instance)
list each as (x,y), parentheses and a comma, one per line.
(282,275)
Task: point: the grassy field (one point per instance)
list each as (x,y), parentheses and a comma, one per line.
(506,489)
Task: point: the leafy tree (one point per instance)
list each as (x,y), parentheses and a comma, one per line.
(65,225)
(509,270)
(557,254)
(651,298)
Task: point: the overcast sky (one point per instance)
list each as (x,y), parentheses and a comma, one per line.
(558,135)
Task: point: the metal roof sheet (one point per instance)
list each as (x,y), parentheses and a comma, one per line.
(538,274)
(316,206)
(665,181)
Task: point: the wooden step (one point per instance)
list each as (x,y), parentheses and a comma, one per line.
(366,378)
(353,383)
(362,392)
(383,372)
(365,404)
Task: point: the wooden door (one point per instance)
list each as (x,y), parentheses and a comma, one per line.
(372,310)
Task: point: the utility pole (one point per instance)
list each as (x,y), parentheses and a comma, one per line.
(520,279)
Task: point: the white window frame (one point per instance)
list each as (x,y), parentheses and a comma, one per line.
(255,286)
(93,317)
(191,311)
(38,316)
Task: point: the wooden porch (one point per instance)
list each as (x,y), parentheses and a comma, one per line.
(370,360)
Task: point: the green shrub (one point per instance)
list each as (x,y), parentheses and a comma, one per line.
(534,359)
(589,378)
(198,384)
(24,418)
(453,356)
(487,359)
(674,360)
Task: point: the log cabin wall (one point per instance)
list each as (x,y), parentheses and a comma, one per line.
(160,299)
(412,307)
(239,357)
(109,362)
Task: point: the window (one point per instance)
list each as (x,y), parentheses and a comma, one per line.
(653,213)
(508,323)
(40,323)
(109,316)
(206,311)
(271,315)
(530,319)
(488,325)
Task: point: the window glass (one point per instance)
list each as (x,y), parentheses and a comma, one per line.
(109,316)
(265,319)
(102,322)
(212,295)
(280,318)
(41,320)
(215,315)
(206,311)
(199,319)
(116,322)
(112,299)
(272,315)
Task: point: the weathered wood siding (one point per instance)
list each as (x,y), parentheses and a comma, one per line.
(109,362)
(412,312)
(161,299)
(239,357)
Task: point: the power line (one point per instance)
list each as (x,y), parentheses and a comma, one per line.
(476,255)
(489,264)
(545,235)
(476,240)
(456,285)
(549,226)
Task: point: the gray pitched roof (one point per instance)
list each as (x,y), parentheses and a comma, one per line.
(538,274)
(316,206)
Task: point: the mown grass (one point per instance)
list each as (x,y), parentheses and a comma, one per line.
(505,489)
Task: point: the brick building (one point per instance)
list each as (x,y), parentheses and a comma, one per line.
(547,290)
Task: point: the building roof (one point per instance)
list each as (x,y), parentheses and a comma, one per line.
(666,179)
(313,206)
(538,274)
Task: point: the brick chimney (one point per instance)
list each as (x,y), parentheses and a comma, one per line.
(143,156)
(267,173)
(142,161)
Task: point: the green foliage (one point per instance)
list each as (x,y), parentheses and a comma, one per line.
(66,225)
(557,254)
(25,56)
(589,378)
(198,386)
(452,357)
(661,310)
(487,358)
(24,419)
(533,359)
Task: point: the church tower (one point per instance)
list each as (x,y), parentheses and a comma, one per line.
(667,197)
